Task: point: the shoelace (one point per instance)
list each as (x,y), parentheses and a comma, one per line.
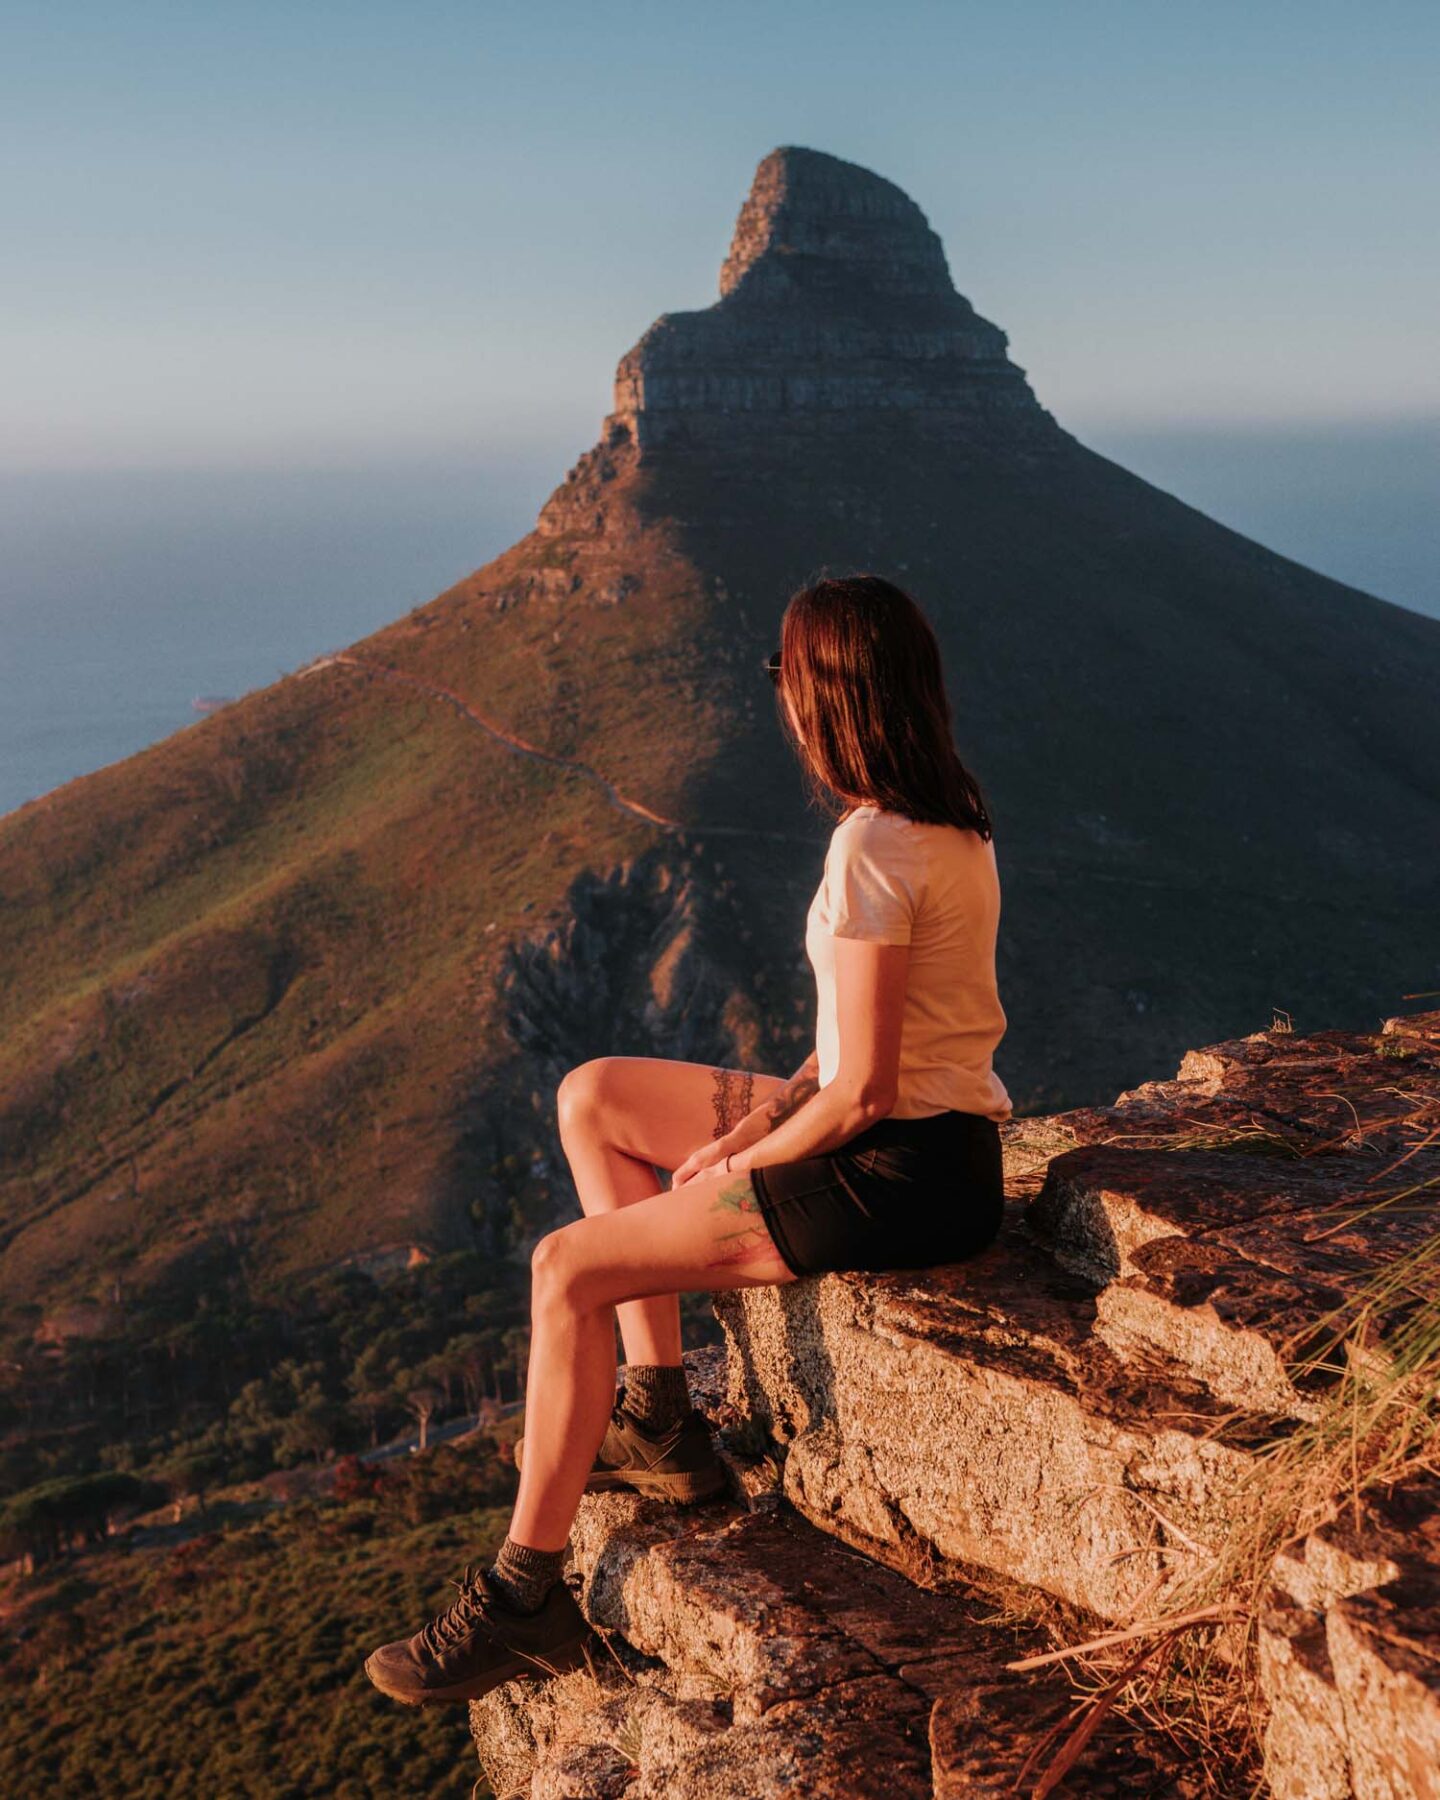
(619,1419)
(660,1446)
(469,1608)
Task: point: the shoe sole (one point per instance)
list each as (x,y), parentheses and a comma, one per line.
(683,1489)
(562,1661)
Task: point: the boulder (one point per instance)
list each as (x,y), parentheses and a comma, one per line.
(973,1415)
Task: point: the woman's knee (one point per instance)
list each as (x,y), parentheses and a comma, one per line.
(556,1266)
(584,1093)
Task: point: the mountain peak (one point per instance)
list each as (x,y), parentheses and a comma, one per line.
(837,219)
(836,313)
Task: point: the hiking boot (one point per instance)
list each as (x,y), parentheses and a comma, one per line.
(676,1464)
(477,1644)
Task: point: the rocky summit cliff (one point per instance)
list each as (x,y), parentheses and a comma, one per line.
(293,988)
(1166,1416)
(836,306)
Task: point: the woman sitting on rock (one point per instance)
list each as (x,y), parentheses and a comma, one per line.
(881,1152)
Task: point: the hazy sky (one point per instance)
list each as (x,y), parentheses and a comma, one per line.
(315,232)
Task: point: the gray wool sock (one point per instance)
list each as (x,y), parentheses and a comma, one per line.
(525,1576)
(656,1395)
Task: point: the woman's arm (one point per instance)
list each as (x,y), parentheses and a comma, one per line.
(873,889)
(870,1004)
(783,1101)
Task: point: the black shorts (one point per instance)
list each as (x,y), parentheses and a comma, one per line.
(902,1194)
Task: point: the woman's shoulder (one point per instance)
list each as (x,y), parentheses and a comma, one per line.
(870,824)
(869,834)
(868,817)
(870,821)
(872,831)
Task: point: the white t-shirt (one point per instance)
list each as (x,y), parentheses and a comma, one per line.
(936,888)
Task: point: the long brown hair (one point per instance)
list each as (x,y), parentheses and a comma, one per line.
(860,664)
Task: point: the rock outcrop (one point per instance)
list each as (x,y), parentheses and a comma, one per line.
(836,306)
(1069,1421)
(748,1655)
(1350,1654)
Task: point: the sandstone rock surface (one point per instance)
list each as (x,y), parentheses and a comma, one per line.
(1350,1655)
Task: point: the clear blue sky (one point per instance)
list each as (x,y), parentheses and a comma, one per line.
(260,234)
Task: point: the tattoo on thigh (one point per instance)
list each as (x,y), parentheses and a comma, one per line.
(737,1196)
(746,1242)
(734,1097)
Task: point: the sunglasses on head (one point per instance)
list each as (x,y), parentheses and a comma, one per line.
(771,666)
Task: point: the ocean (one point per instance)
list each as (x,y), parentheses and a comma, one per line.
(125,596)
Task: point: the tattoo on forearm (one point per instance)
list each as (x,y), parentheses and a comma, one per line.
(734,1097)
(804,1083)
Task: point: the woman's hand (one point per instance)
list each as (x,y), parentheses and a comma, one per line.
(710,1155)
(757,1124)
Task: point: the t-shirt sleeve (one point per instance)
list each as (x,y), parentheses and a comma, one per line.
(870,887)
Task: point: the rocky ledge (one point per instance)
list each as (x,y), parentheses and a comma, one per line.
(925,1466)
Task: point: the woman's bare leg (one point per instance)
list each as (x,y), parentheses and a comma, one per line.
(705,1235)
(621,1118)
